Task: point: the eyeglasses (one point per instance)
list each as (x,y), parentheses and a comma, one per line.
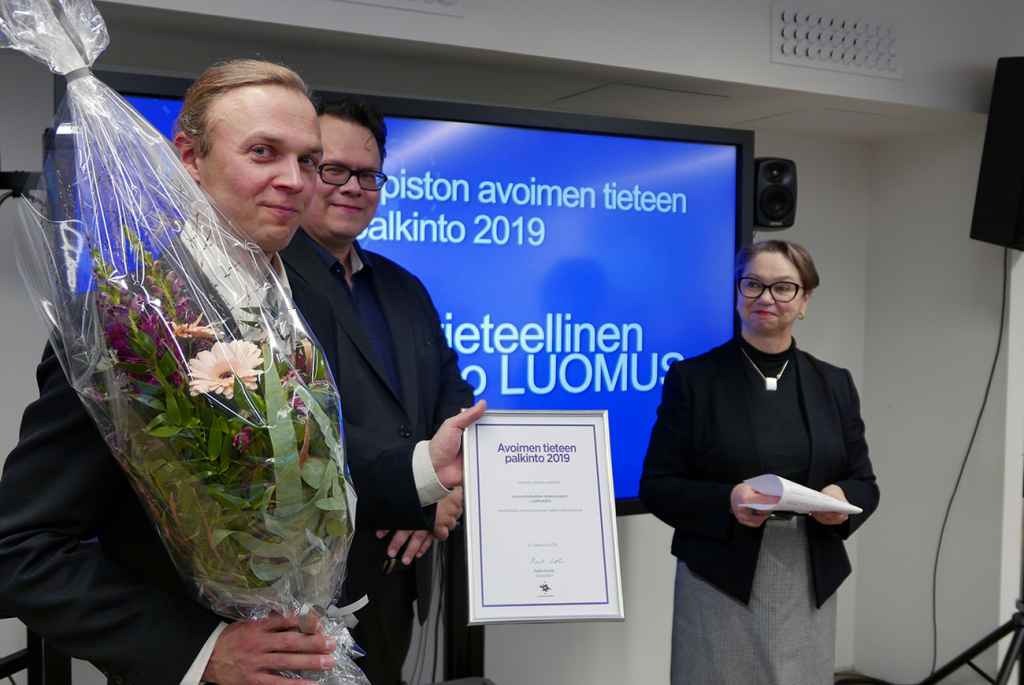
(782,291)
(339,174)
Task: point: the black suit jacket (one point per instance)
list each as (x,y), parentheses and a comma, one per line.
(80,562)
(381,428)
(702,445)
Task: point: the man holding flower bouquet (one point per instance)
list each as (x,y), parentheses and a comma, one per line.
(81,562)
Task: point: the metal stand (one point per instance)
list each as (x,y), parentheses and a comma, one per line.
(18,182)
(1015,625)
(13,663)
(44,664)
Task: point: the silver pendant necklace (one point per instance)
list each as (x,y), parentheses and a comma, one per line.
(771,383)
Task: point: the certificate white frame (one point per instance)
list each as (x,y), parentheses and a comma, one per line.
(541,605)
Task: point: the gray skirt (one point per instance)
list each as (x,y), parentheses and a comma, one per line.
(780,638)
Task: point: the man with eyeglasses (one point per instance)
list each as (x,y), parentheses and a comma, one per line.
(398,381)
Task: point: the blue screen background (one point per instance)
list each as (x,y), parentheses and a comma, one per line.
(665,274)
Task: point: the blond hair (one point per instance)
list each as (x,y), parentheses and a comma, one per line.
(224,77)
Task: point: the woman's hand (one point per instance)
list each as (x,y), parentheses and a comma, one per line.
(741,496)
(831,518)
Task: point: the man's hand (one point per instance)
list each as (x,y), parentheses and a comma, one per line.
(449,511)
(741,496)
(831,518)
(252,652)
(417,542)
(446,445)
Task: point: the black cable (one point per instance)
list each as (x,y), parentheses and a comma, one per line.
(6,196)
(440,604)
(421,643)
(414,677)
(963,464)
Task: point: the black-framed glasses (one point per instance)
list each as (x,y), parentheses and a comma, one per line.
(782,291)
(339,174)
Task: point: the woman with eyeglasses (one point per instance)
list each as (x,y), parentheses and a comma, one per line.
(755,592)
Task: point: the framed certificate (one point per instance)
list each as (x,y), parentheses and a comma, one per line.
(541,534)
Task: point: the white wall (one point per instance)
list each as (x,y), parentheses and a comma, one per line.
(933,313)
(947,46)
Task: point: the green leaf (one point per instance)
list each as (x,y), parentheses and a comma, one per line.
(225,455)
(330,475)
(167,364)
(152,402)
(264,548)
(164,431)
(213,442)
(143,344)
(267,571)
(185,407)
(264,499)
(148,388)
(282,436)
(157,420)
(330,504)
(258,404)
(313,472)
(133,367)
(220,535)
(173,413)
(224,497)
(336,528)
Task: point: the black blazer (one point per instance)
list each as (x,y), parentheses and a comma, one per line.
(702,445)
(80,562)
(381,428)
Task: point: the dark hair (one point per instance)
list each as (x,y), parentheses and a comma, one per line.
(358,111)
(797,255)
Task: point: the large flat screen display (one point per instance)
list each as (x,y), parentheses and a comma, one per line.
(571,259)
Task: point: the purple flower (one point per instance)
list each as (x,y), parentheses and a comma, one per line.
(182,310)
(149,324)
(298,406)
(242,439)
(117,337)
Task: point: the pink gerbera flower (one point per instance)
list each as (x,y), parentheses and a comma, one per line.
(215,370)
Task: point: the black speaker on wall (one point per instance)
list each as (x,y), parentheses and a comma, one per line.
(999,203)
(774,193)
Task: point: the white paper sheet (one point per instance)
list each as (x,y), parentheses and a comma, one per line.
(795,497)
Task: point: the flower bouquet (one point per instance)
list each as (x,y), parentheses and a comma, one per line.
(182,341)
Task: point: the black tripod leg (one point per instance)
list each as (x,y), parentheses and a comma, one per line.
(1012,656)
(979,647)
